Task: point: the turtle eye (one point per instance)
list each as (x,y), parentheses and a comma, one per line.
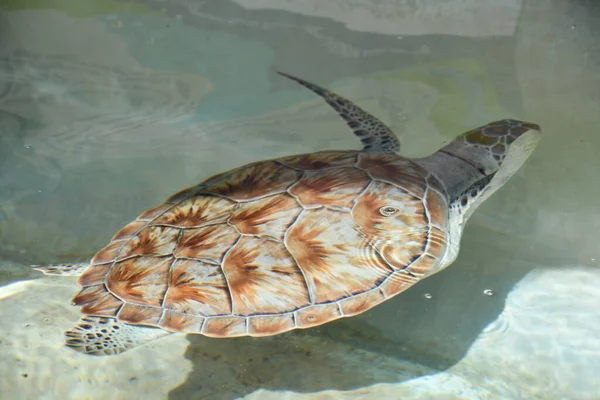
(388,211)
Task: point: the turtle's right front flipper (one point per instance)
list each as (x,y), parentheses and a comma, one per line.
(74,269)
(374,134)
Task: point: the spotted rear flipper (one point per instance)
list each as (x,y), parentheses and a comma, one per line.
(74,269)
(101,336)
(374,134)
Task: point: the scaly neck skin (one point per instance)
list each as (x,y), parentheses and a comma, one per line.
(456,174)
(466,188)
(475,165)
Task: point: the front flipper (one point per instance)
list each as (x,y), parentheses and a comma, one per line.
(374,134)
(75,269)
(101,336)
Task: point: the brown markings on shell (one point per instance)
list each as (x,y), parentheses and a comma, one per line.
(317,315)
(253,181)
(270,324)
(154,212)
(96,300)
(140,280)
(394,169)
(437,206)
(224,326)
(428,262)
(197,288)
(108,253)
(210,242)
(94,275)
(438,241)
(404,251)
(195,190)
(197,211)
(398,282)
(424,266)
(320,160)
(185,194)
(152,240)
(139,315)
(361,302)
(269,216)
(174,321)
(336,259)
(336,187)
(409,218)
(129,230)
(263,278)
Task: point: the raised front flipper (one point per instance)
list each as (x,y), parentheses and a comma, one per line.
(374,134)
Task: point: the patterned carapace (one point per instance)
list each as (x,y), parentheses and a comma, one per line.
(272,246)
(292,242)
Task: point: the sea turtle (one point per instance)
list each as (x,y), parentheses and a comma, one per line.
(292,242)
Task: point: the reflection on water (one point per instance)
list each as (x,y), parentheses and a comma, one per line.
(108,107)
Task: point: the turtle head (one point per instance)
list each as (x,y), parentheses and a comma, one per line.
(479,162)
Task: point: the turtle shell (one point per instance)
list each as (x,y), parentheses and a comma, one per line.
(273,246)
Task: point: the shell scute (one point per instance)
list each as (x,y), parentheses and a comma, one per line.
(361,302)
(270,325)
(130,230)
(197,288)
(108,253)
(208,243)
(94,275)
(139,315)
(186,194)
(140,280)
(423,266)
(263,278)
(399,171)
(152,240)
(321,160)
(337,187)
(398,282)
(224,326)
(409,216)
(197,211)
(152,213)
(317,315)
(437,207)
(254,181)
(270,216)
(174,321)
(336,259)
(97,301)
(437,242)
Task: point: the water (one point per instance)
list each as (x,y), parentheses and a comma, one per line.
(107,107)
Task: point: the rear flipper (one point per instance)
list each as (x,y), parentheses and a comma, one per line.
(101,336)
(75,269)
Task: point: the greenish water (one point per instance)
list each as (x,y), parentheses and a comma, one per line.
(108,107)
